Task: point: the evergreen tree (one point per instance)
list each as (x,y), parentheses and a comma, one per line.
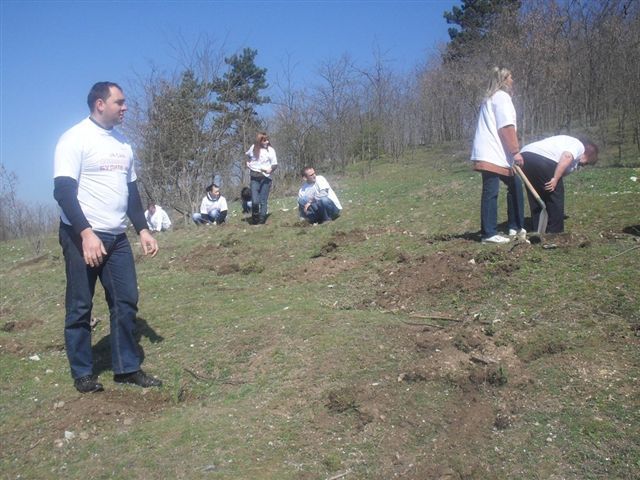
(174,150)
(473,21)
(238,93)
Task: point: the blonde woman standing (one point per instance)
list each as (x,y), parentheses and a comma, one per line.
(261,164)
(495,150)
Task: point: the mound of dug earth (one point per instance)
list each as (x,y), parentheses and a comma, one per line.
(410,283)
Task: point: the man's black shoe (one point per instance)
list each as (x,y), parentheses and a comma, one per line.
(87,384)
(137,378)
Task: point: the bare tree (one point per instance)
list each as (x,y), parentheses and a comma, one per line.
(192,125)
(335,104)
(296,127)
(21,220)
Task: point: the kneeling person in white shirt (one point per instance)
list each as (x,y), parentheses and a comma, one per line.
(157,219)
(213,208)
(317,202)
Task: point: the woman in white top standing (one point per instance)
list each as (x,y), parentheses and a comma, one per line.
(495,150)
(261,164)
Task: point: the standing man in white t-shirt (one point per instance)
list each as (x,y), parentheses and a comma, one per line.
(317,202)
(546,162)
(95,186)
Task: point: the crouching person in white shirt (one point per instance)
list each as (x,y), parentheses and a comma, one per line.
(157,219)
(317,202)
(213,208)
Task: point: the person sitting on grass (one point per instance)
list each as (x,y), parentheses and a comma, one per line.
(317,202)
(213,209)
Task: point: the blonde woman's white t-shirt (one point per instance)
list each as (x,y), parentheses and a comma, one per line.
(496,112)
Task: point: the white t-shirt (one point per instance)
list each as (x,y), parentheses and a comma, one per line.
(208,205)
(159,220)
(320,188)
(266,159)
(553,148)
(496,112)
(101,161)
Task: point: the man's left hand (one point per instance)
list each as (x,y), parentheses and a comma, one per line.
(148,242)
(551,185)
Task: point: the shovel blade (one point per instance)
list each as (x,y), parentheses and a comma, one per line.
(542,221)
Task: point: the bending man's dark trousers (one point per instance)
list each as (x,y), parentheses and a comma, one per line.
(539,170)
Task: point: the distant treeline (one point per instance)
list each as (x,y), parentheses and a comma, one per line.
(576,67)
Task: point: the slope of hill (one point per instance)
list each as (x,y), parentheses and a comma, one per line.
(387,344)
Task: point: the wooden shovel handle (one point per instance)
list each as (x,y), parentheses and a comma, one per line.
(529,186)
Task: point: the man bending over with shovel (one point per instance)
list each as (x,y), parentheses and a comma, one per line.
(546,162)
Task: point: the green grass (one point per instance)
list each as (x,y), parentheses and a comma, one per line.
(387,344)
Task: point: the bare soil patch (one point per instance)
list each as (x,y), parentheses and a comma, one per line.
(410,283)
(78,418)
(11,326)
(30,261)
(12,347)
(325,267)
(564,240)
(220,260)
(117,401)
(352,236)
(486,387)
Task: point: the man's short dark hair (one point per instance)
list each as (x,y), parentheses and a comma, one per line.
(591,150)
(100,90)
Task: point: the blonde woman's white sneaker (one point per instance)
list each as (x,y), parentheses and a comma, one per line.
(496,239)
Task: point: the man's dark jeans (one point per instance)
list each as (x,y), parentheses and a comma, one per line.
(320,211)
(539,170)
(118,277)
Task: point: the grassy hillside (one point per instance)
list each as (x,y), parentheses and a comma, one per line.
(388,344)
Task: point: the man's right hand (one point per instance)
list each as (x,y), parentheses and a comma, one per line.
(518,159)
(92,248)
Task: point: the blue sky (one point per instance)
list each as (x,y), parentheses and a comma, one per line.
(53,51)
